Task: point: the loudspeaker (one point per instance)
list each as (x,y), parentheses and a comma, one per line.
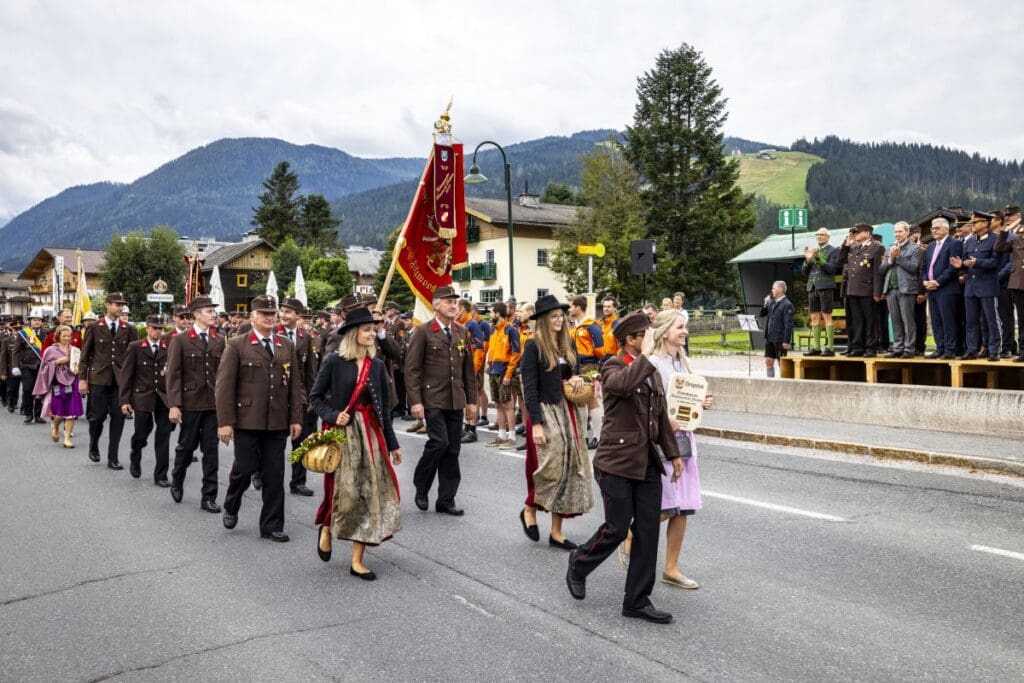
(645,257)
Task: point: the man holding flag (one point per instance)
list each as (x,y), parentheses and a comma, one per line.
(25,364)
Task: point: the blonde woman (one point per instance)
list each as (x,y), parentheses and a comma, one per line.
(557,467)
(681,498)
(57,388)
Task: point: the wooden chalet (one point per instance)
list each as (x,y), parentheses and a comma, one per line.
(242,265)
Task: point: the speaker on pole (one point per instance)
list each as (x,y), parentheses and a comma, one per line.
(644,256)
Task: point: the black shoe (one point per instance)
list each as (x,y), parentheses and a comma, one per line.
(648,613)
(869,354)
(948,356)
(209,506)
(162,483)
(994,358)
(39,421)
(469,436)
(301,490)
(450,509)
(135,469)
(275,536)
(230,520)
(828,352)
(521,447)
(907,354)
(29,420)
(564,545)
(325,555)
(855,354)
(969,356)
(893,354)
(421,502)
(812,352)
(1006,354)
(531,531)
(482,422)
(176,493)
(114,465)
(257,481)
(577,586)
(94,456)
(521,430)
(368,576)
(591,444)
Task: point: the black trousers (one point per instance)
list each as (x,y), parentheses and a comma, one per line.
(921,324)
(30,405)
(402,408)
(144,423)
(261,451)
(103,404)
(628,504)
(1017,296)
(309,419)
(981,313)
(860,321)
(1005,305)
(961,324)
(198,430)
(880,333)
(441,455)
(11,387)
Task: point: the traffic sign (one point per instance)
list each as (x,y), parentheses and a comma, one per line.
(591,250)
(160,298)
(793,218)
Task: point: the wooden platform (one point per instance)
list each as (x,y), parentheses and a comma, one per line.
(981,374)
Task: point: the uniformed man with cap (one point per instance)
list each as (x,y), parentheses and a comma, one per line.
(440,381)
(104,345)
(862,258)
(24,365)
(1011,241)
(259,404)
(143,391)
(5,333)
(980,262)
(192,361)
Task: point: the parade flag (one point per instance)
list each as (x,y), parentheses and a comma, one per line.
(58,284)
(300,286)
(82,303)
(32,340)
(194,285)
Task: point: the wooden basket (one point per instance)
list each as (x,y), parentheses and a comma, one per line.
(582,396)
(322,459)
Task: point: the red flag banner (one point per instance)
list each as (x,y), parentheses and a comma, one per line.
(194,285)
(435,231)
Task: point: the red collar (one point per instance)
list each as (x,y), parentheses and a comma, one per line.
(628,358)
(281,329)
(253,339)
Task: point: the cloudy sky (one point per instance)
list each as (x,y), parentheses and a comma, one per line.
(96,90)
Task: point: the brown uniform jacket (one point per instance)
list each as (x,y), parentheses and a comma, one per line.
(142,382)
(103,352)
(307,364)
(862,271)
(256,392)
(635,417)
(192,371)
(6,338)
(440,374)
(1015,245)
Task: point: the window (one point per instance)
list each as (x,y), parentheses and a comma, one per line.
(542,257)
(241,308)
(542,292)
(490,256)
(490,296)
(467,295)
(242,280)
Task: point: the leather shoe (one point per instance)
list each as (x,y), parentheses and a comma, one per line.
(892,354)
(969,356)
(648,613)
(994,358)
(324,555)
(577,586)
(450,509)
(935,355)
(531,531)
(176,493)
(564,544)
(828,352)
(257,481)
(368,576)
(275,536)
(812,352)
(94,456)
(162,483)
(907,354)
(209,506)
(39,421)
(114,465)
(230,520)
(421,502)
(469,436)
(135,469)
(301,490)
(869,354)
(948,356)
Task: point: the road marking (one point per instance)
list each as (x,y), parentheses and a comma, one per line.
(772,506)
(996,551)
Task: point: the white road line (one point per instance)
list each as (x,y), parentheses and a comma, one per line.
(772,506)
(996,551)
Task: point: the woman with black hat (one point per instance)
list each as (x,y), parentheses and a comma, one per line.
(361,498)
(557,466)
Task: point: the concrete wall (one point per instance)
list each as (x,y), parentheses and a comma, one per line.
(972,411)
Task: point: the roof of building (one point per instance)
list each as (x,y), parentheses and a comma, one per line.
(229,252)
(495,212)
(779,247)
(92,261)
(363,260)
(11,281)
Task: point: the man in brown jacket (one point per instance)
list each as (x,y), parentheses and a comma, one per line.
(143,391)
(440,382)
(259,404)
(628,469)
(192,361)
(104,345)
(862,258)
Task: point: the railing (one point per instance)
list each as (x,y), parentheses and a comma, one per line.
(461,274)
(484,271)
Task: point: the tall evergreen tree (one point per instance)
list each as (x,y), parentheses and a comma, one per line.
(277,217)
(318,227)
(696,210)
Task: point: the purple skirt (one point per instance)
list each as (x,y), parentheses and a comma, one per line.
(65,401)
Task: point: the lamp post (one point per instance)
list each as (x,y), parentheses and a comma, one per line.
(475,177)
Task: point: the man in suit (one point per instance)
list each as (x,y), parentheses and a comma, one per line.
(441,383)
(778,329)
(1011,241)
(940,281)
(920,299)
(104,346)
(305,369)
(900,273)
(862,257)
(143,390)
(259,405)
(628,468)
(981,288)
(192,361)
(820,268)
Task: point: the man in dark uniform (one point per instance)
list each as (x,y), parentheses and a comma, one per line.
(182,322)
(143,390)
(1011,241)
(981,288)
(305,369)
(862,257)
(12,381)
(192,361)
(104,346)
(259,404)
(24,363)
(820,268)
(4,361)
(440,382)
(628,468)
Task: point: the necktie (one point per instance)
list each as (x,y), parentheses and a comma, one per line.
(206,340)
(935,257)
(153,347)
(291,336)
(113,329)
(267,345)
(448,333)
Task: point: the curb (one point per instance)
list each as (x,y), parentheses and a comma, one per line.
(969,462)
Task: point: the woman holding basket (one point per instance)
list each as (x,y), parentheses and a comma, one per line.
(361,498)
(557,466)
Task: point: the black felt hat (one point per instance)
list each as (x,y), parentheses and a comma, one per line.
(356,317)
(546,304)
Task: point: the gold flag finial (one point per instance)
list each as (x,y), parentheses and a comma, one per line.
(443,125)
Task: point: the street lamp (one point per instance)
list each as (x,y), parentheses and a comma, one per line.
(475,177)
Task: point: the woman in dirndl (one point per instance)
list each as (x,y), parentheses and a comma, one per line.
(57,387)
(361,499)
(557,465)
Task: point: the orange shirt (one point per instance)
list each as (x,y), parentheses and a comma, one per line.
(611,344)
(503,350)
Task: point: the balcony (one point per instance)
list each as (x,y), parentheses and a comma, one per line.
(483,271)
(461,274)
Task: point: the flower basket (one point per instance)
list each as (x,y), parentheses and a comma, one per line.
(581,396)
(320,452)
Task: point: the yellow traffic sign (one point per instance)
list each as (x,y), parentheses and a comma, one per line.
(591,250)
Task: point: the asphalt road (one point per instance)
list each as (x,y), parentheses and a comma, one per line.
(852,571)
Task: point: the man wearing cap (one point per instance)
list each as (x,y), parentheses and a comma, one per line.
(939,279)
(5,335)
(192,361)
(259,405)
(628,467)
(440,382)
(104,346)
(24,364)
(182,322)
(981,288)
(862,257)
(143,391)
(1011,241)
(305,369)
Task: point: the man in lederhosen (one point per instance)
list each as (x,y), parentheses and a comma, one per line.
(143,391)
(104,345)
(192,361)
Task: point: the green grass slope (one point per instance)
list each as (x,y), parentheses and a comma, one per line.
(782,180)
